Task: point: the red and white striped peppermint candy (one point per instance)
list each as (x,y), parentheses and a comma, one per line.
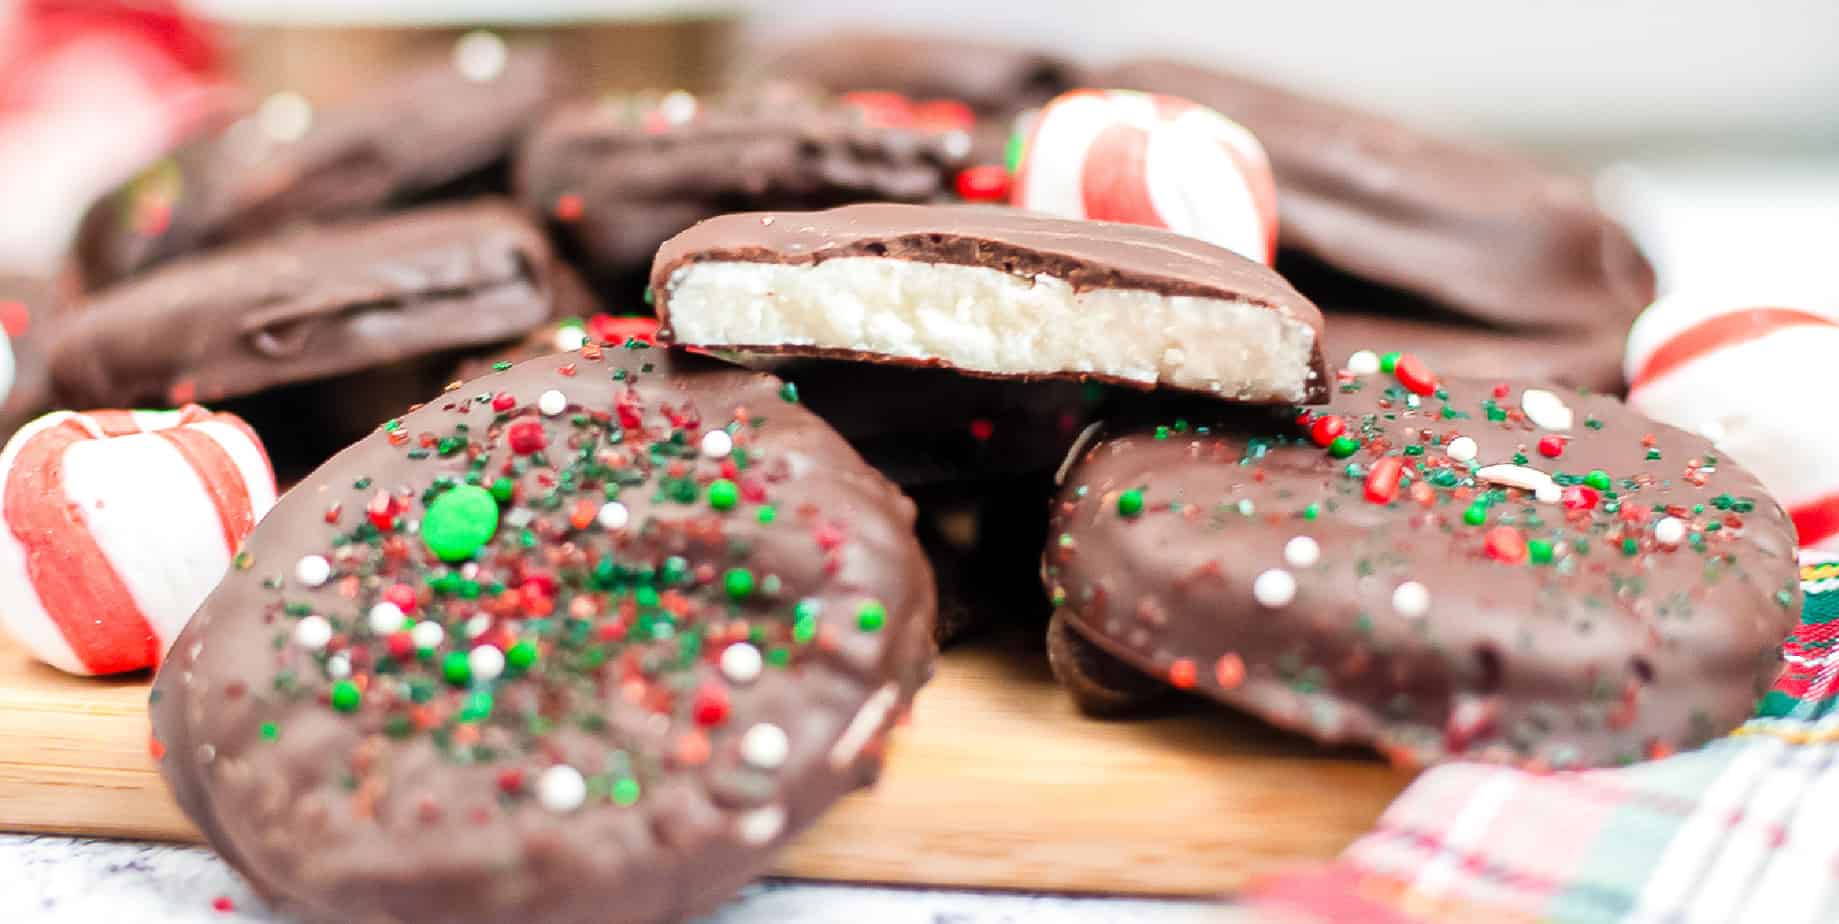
(118,524)
(1747,377)
(1144,159)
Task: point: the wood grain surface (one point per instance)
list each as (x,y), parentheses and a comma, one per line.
(996,782)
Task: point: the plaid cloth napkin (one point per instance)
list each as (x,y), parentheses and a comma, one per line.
(1743,829)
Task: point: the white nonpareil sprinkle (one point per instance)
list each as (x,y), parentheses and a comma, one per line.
(1411,599)
(1301,552)
(385,618)
(487,662)
(678,107)
(552,402)
(427,634)
(285,116)
(1462,449)
(613,515)
(561,788)
(1274,588)
(765,746)
(741,663)
(570,337)
(760,825)
(480,56)
(1546,410)
(1514,476)
(313,571)
(1363,362)
(1670,531)
(716,444)
(478,625)
(312,633)
(338,666)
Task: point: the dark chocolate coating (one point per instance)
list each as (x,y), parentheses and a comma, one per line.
(981,537)
(1580,359)
(1479,231)
(404,808)
(27,316)
(431,132)
(994,79)
(631,180)
(1086,254)
(1101,685)
(1611,651)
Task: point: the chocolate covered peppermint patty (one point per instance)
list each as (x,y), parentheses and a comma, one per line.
(1438,567)
(440,128)
(583,640)
(1471,229)
(617,177)
(388,299)
(992,292)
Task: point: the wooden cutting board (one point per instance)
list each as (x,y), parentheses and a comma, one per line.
(997,782)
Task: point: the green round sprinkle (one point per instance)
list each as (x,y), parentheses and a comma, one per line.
(1162,433)
(768,514)
(1312,511)
(270,731)
(625,791)
(1598,479)
(723,494)
(455,668)
(502,489)
(460,522)
(1539,550)
(1388,362)
(520,655)
(1343,446)
(345,696)
(1630,546)
(739,583)
(675,570)
(779,656)
(647,596)
(871,616)
(1130,503)
(788,393)
(1476,515)
(478,707)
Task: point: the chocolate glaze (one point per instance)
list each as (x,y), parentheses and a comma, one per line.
(994,79)
(1600,656)
(632,179)
(1477,230)
(429,134)
(368,815)
(26,320)
(1087,255)
(1580,359)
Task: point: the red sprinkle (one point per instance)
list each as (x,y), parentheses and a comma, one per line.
(503,402)
(711,706)
(223,903)
(381,511)
(1382,480)
(1506,545)
(983,183)
(982,429)
(1325,428)
(401,645)
(402,595)
(1305,418)
(1551,446)
(527,436)
(944,115)
(155,748)
(880,107)
(1414,375)
(1579,497)
(569,207)
(1501,390)
(15,318)
(1183,674)
(616,330)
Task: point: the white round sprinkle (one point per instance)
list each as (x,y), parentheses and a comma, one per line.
(1670,531)
(1545,410)
(478,625)
(1302,552)
(1274,588)
(765,746)
(427,634)
(716,444)
(312,633)
(487,662)
(480,56)
(613,515)
(957,144)
(552,402)
(561,788)
(570,338)
(285,116)
(678,107)
(760,825)
(1514,476)
(741,662)
(385,618)
(1411,599)
(313,571)
(338,666)
(1462,449)
(1363,362)
(1548,493)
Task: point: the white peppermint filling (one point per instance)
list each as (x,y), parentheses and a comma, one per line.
(986,320)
